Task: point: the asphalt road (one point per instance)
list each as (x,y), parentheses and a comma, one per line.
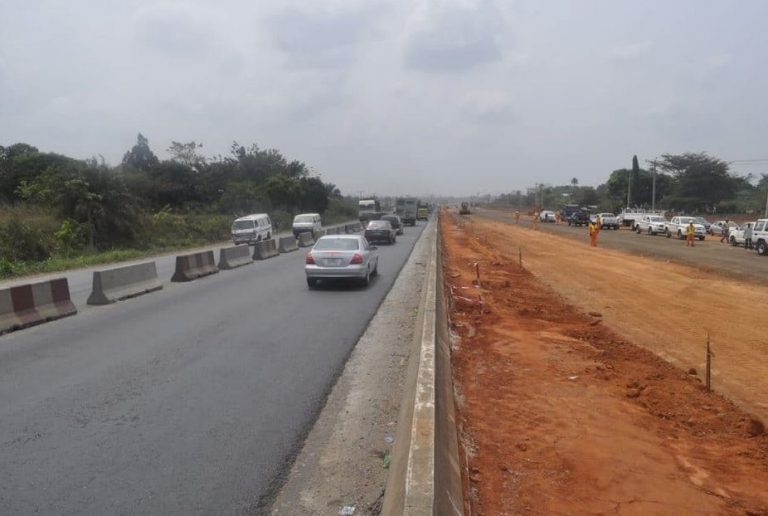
(709,254)
(189,400)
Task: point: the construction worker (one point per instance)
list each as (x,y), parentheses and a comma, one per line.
(593,231)
(724,234)
(690,233)
(517,216)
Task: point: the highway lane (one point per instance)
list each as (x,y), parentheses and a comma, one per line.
(81,280)
(707,255)
(185,401)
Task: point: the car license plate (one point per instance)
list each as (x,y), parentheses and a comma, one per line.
(333,261)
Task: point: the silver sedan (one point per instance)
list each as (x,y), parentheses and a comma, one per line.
(341,257)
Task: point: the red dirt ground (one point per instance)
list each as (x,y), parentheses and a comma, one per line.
(560,415)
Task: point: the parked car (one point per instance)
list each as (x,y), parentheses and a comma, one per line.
(251,229)
(678,227)
(760,237)
(395,221)
(651,224)
(307,223)
(717,227)
(704,222)
(380,231)
(341,257)
(547,216)
(736,234)
(607,220)
(578,218)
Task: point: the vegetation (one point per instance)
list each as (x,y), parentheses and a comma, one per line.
(690,183)
(56,211)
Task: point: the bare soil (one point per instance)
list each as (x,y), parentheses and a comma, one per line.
(560,409)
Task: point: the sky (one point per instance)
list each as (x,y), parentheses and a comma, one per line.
(442,97)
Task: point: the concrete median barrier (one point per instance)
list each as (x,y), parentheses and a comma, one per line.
(235,256)
(306,240)
(123,282)
(265,249)
(27,305)
(193,266)
(425,472)
(288,244)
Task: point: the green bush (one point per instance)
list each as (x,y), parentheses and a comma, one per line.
(20,241)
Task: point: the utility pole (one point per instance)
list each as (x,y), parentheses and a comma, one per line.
(765,215)
(653,188)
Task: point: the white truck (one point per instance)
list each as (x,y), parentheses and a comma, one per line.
(651,225)
(630,217)
(405,208)
(678,227)
(760,237)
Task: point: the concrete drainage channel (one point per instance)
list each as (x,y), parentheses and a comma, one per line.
(425,473)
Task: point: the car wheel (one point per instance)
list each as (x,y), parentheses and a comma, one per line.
(269,235)
(394,239)
(312,283)
(679,235)
(367,280)
(733,241)
(702,238)
(762,248)
(669,235)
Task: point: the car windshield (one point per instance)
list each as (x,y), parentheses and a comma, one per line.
(390,219)
(379,224)
(337,244)
(303,218)
(243,224)
(607,215)
(687,220)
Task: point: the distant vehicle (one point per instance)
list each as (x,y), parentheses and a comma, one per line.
(422,213)
(547,216)
(380,231)
(366,208)
(578,218)
(307,223)
(395,221)
(251,229)
(464,210)
(608,220)
(652,225)
(760,237)
(678,227)
(704,222)
(341,257)
(568,210)
(630,217)
(717,227)
(405,208)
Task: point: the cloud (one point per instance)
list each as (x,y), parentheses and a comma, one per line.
(454,36)
(631,52)
(488,107)
(328,39)
(172,29)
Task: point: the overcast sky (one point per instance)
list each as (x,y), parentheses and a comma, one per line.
(390,97)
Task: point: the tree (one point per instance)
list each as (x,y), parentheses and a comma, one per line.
(314,197)
(701,181)
(186,153)
(140,156)
(284,192)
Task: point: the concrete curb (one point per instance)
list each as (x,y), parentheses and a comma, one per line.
(192,266)
(123,282)
(23,306)
(235,256)
(425,474)
(288,244)
(265,249)
(306,240)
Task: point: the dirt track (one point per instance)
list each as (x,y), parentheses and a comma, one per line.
(561,413)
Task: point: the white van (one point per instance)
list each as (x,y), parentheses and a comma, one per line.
(252,228)
(306,223)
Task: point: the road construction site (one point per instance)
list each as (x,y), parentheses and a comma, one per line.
(580,376)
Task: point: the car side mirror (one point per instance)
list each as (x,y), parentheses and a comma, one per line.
(373,248)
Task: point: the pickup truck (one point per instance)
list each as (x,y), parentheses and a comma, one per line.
(679,225)
(760,237)
(607,220)
(651,224)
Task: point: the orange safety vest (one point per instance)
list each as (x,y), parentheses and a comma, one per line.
(592,229)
